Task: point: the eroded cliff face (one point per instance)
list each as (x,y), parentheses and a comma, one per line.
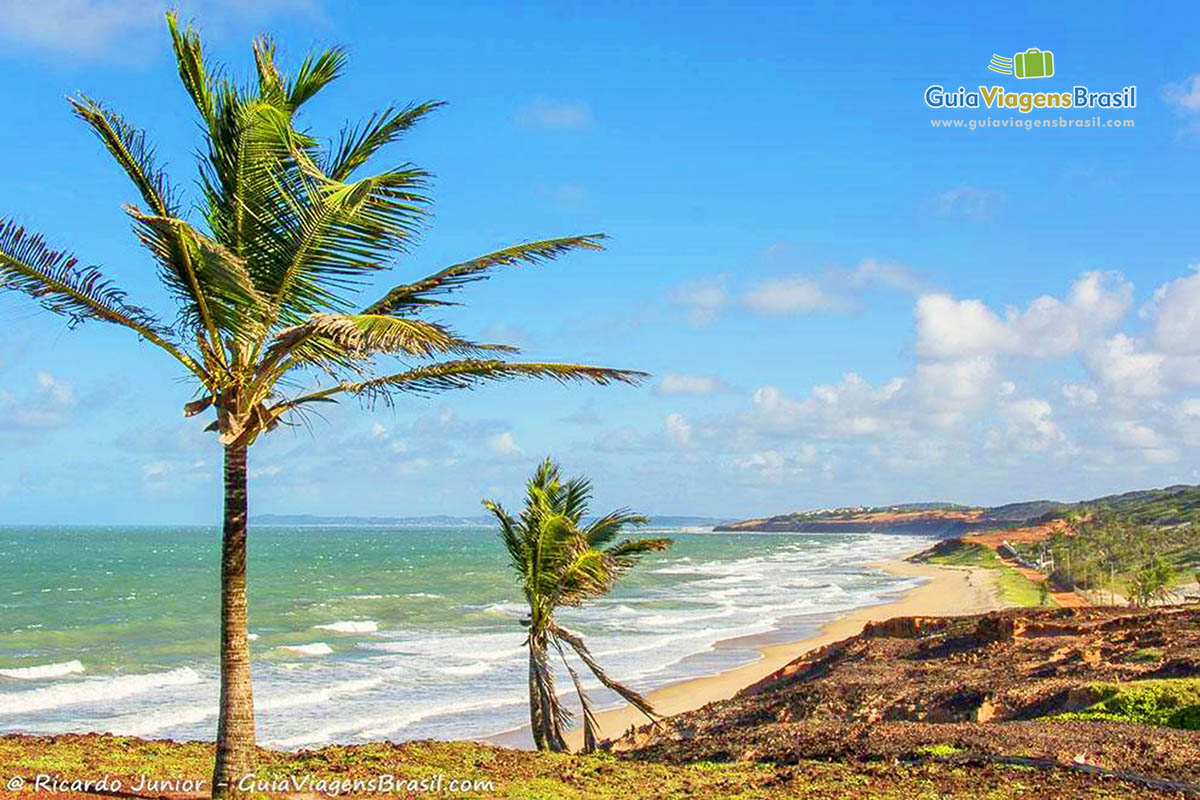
(978,686)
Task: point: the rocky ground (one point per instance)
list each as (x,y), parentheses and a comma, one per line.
(969,689)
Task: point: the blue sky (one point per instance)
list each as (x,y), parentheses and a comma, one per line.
(839,302)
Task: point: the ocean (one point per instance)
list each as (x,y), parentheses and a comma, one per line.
(362,633)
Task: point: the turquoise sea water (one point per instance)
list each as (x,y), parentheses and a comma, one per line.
(370,633)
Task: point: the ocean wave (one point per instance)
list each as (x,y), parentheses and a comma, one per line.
(479,646)
(314,649)
(179,716)
(350,626)
(43,671)
(380,726)
(467,670)
(93,690)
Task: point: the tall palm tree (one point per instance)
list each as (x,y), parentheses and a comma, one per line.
(561,562)
(288,224)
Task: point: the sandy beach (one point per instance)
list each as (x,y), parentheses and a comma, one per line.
(946,591)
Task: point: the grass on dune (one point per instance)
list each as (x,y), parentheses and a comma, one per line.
(1014,587)
(522,775)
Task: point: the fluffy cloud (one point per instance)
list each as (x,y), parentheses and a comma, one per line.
(870,272)
(679,431)
(1048,327)
(796,294)
(505,444)
(1124,368)
(1030,424)
(1176,312)
(704,299)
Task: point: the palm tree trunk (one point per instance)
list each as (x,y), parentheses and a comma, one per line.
(235,726)
(535,704)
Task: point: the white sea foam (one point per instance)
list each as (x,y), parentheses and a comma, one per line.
(94,690)
(314,649)
(250,637)
(350,626)
(466,670)
(43,671)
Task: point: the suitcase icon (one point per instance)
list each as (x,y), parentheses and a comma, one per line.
(1033,63)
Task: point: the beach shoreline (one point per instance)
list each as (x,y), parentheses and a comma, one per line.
(944,591)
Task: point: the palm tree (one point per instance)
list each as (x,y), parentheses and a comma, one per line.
(563,563)
(266,327)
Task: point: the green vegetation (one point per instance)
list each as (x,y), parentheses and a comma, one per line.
(1172,702)
(1019,590)
(266,326)
(561,563)
(939,750)
(1104,551)
(1014,587)
(965,554)
(524,775)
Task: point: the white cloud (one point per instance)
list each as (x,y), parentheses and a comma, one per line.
(504,444)
(1079,395)
(1048,327)
(1031,424)
(704,299)
(555,115)
(695,385)
(797,294)
(950,389)
(870,272)
(1124,368)
(46,406)
(1176,312)
(949,328)
(679,431)
(1184,94)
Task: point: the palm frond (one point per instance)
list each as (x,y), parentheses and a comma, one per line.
(411,297)
(189,57)
(315,73)
(606,528)
(132,152)
(511,535)
(211,283)
(78,293)
(28,265)
(466,373)
(576,495)
(330,340)
(591,727)
(339,232)
(357,144)
(623,556)
(575,641)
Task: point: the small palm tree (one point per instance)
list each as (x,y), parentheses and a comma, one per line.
(561,563)
(266,327)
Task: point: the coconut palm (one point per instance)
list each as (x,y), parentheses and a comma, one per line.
(286,227)
(562,562)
